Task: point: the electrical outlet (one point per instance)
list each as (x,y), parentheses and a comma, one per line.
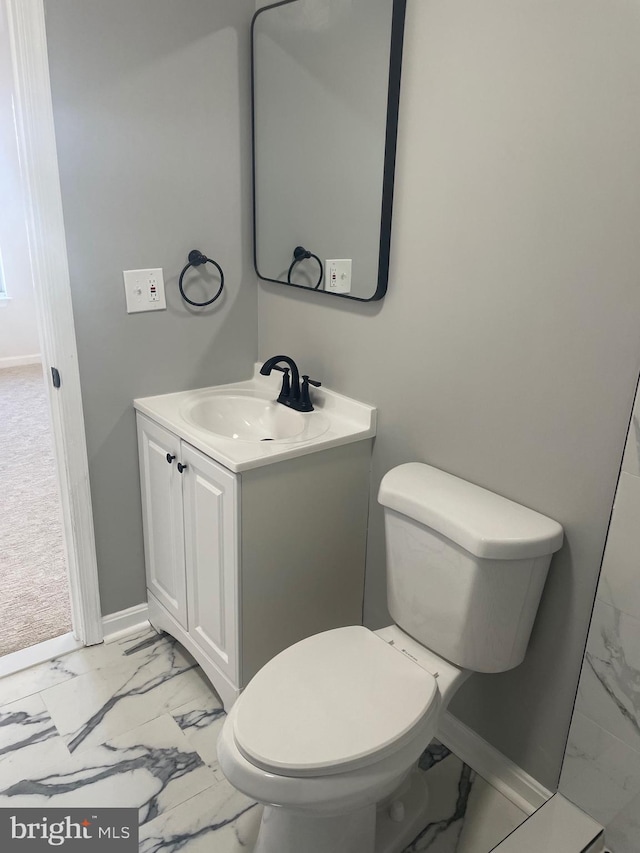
(338,276)
(144,290)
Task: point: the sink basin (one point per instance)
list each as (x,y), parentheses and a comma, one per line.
(245,417)
(241,426)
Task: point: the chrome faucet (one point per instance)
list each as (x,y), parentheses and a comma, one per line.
(292,394)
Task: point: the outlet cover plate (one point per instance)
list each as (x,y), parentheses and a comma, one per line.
(144,290)
(338,273)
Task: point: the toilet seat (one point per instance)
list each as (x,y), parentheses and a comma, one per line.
(331,703)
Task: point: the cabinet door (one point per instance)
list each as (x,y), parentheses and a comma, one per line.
(211,549)
(162,517)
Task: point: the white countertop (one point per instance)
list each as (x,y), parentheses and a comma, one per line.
(348,421)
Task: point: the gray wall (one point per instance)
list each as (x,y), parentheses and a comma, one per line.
(507,348)
(152,124)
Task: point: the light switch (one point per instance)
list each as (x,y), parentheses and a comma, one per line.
(144,290)
(338,276)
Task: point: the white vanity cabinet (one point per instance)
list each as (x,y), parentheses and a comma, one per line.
(241,565)
(162,514)
(189,510)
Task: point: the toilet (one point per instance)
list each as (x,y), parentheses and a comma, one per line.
(327,735)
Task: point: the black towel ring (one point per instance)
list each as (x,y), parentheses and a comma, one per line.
(302,254)
(197,259)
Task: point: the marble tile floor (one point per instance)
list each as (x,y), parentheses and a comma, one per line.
(135,722)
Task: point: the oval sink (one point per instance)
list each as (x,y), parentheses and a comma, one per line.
(252,418)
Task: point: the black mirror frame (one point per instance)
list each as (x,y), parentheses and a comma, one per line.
(393,106)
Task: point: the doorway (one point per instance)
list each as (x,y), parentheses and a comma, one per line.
(34,590)
(22,28)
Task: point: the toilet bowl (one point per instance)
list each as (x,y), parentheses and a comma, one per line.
(327,734)
(302,739)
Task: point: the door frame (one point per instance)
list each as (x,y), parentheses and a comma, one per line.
(50,272)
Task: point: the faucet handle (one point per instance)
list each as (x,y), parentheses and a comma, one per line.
(285,391)
(305,399)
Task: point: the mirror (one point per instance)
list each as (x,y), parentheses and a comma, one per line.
(326,86)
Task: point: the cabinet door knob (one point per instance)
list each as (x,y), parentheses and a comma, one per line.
(170,458)
(181,467)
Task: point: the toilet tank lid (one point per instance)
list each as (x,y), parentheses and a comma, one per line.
(483,523)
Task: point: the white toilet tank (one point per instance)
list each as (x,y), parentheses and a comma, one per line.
(465,567)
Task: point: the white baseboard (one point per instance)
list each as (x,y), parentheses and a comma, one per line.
(19,360)
(116,625)
(499,771)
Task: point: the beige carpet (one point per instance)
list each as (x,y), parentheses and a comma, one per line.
(34,593)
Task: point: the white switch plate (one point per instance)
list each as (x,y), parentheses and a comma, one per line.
(144,290)
(338,276)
